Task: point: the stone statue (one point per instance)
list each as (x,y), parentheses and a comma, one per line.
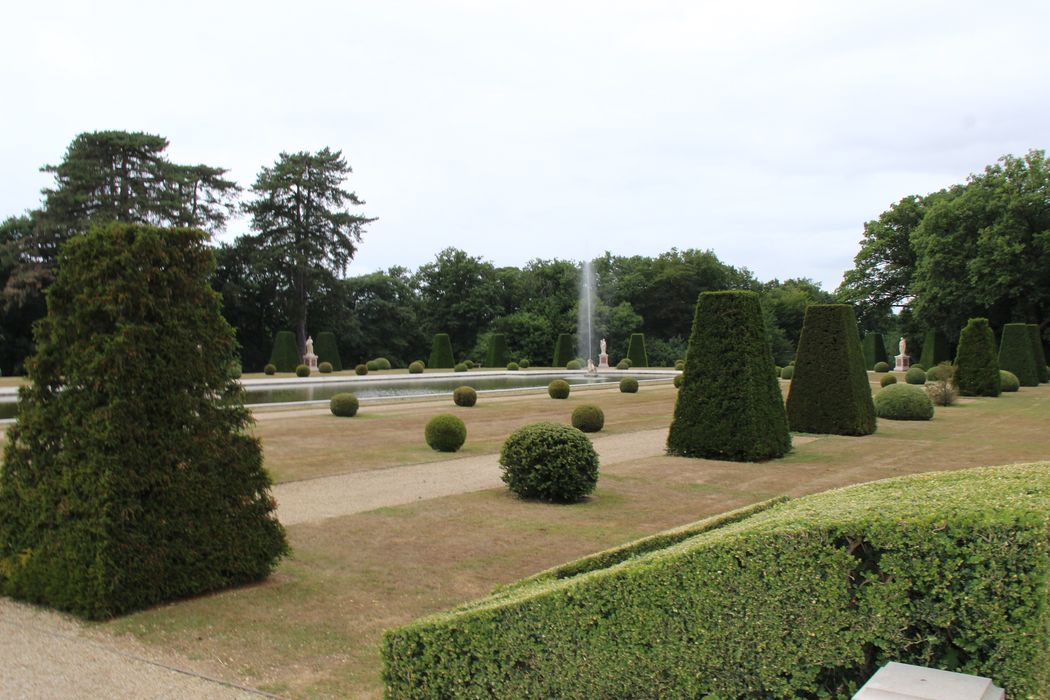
(902,346)
(601,344)
(309,346)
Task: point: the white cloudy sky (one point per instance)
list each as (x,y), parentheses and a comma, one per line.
(765,131)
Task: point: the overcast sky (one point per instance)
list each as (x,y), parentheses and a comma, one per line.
(768,132)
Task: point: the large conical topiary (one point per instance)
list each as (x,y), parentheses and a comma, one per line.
(830,391)
(729,405)
(285,353)
(564,350)
(976,364)
(130,477)
(874,350)
(636,351)
(934,349)
(497,353)
(441,352)
(1037,352)
(1017,355)
(327,350)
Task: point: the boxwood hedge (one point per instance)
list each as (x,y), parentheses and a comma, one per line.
(802,599)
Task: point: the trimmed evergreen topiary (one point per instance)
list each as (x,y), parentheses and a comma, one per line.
(934,349)
(881,367)
(269,370)
(887,380)
(372,366)
(729,405)
(523,363)
(416,367)
(1037,352)
(1016,354)
(441,352)
(915,375)
(903,402)
(549,461)
(497,353)
(361,370)
(327,350)
(623,364)
(564,349)
(465,396)
(573,364)
(830,391)
(944,372)
(976,364)
(628,385)
(382,363)
(558,389)
(787,372)
(636,351)
(325,368)
(512,367)
(130,477)
(460,367)
(678,380)
(874,350)
(343,405)
(469,363)
(1008,381)
(679,365)
(285,353)
(445,433)
(302,371)
(588,418)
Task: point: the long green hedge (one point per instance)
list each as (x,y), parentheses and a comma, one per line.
(441,352)
(934,349)
(730,405)
(327,350)
(285,353)
(803,599)
(874,350)
(497,351)
(1038,354)
(1017,355)
(636,351)
(976,364)
(564,350)
(830,391)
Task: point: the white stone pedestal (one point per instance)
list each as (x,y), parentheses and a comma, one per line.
(896,681)
(603,361)
(311,362)
(903,363)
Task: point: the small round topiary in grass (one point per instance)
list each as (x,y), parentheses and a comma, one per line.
(382,363)
(361,369)
(469,364)
(523,363)
(903,402)
(915,375)
(549,461)
(325,368)
(628,385)
(270,369)
(944,372)
(573,364)
(446,433)
(302,371)
(558,389)
(623,364)
(460,367)
(679,365)
(343,405)
(881,367)
(787,372)
(416,367)
(465,396)
(678,380)
(372,366)
(887,380)
(1008,381)
(918,365)
(588,418)
(512,366)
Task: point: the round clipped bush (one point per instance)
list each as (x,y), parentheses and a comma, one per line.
(903,402)
(629,385)
(919,365)
(787,372)
(588,418)
(270,369)
(361,369)
(460,367)
(881,367)
(1008,381)
(382,363)
(302,371)
(573,364)
(777,369)
(678,380)
(915,375)
(679,365)
(549,461)
(325,368)
(523,363)
(512,366)
(887,380)
(446,433)
(623,364)
(558,389)
(464,396)
(343,405)
(943,372)
(372,365)
(469,364)
(416,367)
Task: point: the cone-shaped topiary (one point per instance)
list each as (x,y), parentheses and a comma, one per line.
(1037,352)
(130,477)
(636,351)
(1016,354)
(830,391)
(934,349)
(327,350)
(874,350)
(729,405)
(285,353)
(564,350)
(497,354)
(441,352)
(976,364)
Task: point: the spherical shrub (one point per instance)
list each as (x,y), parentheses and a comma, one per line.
(361,369)
(623,364)
(372,365)
(679,365)
(460,367)
(465,396)
(270,369)
(881,367)
(1008,381)
(343,405)
(558,389)
(787,372)
(302,371)
(678,379)
(573,364)
(512,366)
(943,372)
(523,363)
(629,385)
(549,461)
(887,380)
(446,433)
(325,368)
(416,367)
(903,402)
(915,375)
(918,366)
(588,418)
(382,363)
(469,364)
